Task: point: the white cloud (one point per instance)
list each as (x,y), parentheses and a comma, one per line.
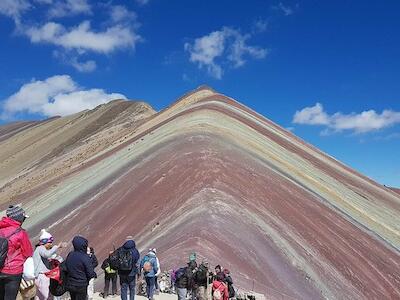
(120,14)
(286,10)
(260,26)
(14,8)
(85,67)
(82,38)
(313,115)
(227,45)
(63,8)
(363,122)
(142,2)
(56,95)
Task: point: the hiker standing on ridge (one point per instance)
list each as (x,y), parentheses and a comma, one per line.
(218,269)
(219,288)
(80,269)
(201,280)
(150,269)
(127,257)
(183,277)
(109,275)
(228,280)
(156,287)
(44,251)
(95,263)
(18,250)
(193,267)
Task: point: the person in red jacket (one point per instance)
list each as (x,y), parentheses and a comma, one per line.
(219,288)
(19,249)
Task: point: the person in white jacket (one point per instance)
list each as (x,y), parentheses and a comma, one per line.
(44,251)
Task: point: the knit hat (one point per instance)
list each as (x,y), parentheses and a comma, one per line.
(192,256)
(129,238)
(154,250)
(45,237)
(17,213)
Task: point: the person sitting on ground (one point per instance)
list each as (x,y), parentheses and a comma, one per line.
(80,269)
(183,277)
(110,275)
(95,263)
(128,257)
(19,249)
(219,288)
(228,280)
(201,280)
(149,267)
(44,252)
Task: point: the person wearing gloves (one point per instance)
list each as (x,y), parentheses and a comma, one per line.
(44,251)
(19,249)
(80,269)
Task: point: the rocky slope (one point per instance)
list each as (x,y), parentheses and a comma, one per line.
(210,175)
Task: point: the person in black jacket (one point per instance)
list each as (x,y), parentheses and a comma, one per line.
(109,275)
(127,278)
(80,269)
(228,280)
(95,263)
(201,280)
(183,281)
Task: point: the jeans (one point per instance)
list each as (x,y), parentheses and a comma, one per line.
(150,285)
(181,293)
(156,283)
(194,293)
(78,292)
(9,286)
(107,280)
(127,282)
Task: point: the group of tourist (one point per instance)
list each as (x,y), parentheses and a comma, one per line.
(194,279)
(43,270)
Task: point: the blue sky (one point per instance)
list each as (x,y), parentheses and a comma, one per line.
(327,70)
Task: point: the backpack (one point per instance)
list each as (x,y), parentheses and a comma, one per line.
(4,247)
(58,280)
(217,294)
(201,275)
(114,260)
(125,260)
(147,265)
(180,273)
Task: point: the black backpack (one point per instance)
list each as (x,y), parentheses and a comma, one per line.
(125,260)
(59,288)
(4,247)
(201,275)
(113,260)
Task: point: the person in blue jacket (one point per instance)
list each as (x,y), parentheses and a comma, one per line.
(80,269)
(149,267)
(127,277)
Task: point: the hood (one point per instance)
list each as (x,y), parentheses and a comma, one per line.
(8,222)
(151,254)
(80,244)
(130,244)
